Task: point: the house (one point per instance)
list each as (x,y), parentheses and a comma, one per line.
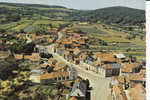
(105,58)
(54,77)
(43,49)
(67,43)
(60,51)
(73,72)
(138,92)
(76,60)
(66,55)
(109,70)
(52,61)
(119,93)
(44,65)
(46,55)
(120,57)
(35,75)
(35,57)
(128,68)
(59,67)
(79,90)
(89,60)
(137,79)
(83,56)
(76,52)
(18,56)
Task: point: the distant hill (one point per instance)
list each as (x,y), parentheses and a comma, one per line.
(117,15)
(112,15)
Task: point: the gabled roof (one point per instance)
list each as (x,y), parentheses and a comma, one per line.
(79,89)
(76,51)
(44,65)
(35,57)
(105,57)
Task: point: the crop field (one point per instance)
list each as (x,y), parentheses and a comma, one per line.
(134,47)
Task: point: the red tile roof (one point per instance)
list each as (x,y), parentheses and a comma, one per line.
(136,77)
(54,75)
(138,92)
(126,67)
(105,57)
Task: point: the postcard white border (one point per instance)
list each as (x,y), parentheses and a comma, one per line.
(148,48)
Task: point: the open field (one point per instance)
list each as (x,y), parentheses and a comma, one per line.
(135,47)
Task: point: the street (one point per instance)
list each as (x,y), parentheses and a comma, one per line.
(99,84)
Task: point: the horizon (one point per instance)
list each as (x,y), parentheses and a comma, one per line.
(83,5)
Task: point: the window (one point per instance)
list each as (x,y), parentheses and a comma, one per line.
(67,77)
(63,78)
(59,78)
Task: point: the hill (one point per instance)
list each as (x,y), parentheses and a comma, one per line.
(116,15)
(112,15)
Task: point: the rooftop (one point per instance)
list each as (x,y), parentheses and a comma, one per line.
(136,77)
(138,92)
(127,67)
(120,56)
(112,66)
(54,75)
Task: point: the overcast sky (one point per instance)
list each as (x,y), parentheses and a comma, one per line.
(86,4)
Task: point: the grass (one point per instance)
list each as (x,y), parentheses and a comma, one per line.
(110,36)
(22,26)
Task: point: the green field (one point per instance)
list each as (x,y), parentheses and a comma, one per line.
(135,47)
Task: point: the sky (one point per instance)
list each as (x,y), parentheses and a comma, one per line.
(85,4)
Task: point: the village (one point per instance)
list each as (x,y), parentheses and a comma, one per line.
(59,58)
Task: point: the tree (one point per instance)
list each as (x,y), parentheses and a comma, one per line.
(23,67)
(133,59)
(6,69)
(59,85)
(142,37)
(22,31)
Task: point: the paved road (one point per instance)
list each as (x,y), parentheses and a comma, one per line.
(100,85)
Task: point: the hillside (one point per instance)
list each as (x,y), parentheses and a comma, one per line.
(116,15)
(112,15)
